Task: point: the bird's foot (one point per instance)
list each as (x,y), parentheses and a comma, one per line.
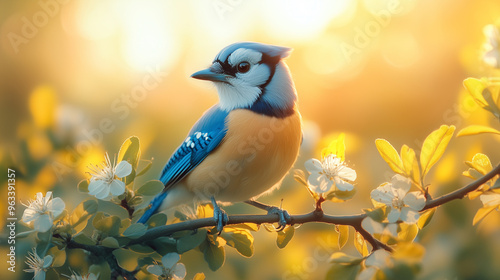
(220,216)
(284,217)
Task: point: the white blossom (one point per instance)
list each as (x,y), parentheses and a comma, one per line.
(42,211)
(404,206)
(490,199)
(38,265)
(374,227)
(328,174)
(377,260)
(170,268)
(491,55)
(104,183)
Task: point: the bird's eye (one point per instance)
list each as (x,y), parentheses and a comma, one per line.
(243,67)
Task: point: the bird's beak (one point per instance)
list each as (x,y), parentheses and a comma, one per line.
(209,75)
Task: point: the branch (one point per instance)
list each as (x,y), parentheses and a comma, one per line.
(462,192)
(105,253)
(315,216)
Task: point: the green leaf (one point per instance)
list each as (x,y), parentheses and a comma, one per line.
(83,186)
(126,259)
(135,230)
(150,188)
(83,239)
(476,129)
(145,169)
(158,219)
(24,234)
(107,224)
(425,218)
(241,240)
(377,214)
(59,256)
(341,196)
(141,249)
(342,258)
(101,269)
(390,155)
(481,213)
(130,151)
(434,147)
(285,236)
(82,213)
(343,232)
(214,255)
(340,271)
(164,245)
(191,241)
(110,242)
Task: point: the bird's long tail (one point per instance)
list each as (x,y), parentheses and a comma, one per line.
(154,205)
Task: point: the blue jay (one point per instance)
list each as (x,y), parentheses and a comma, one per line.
(243,146)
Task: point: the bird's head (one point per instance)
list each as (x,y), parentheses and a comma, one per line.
(253,76)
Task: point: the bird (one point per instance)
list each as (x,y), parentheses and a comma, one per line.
(243,146)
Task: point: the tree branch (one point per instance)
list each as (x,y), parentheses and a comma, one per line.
(462,192)
(315,216)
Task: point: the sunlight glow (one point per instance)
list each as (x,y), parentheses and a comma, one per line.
(301,19)
(148,37)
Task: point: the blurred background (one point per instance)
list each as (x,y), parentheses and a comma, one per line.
(78,77)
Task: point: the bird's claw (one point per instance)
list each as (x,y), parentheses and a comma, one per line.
(284,217)
(220,216)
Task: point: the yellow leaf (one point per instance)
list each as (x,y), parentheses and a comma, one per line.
(475,87)
(390,155)
(408,232)
(199,276)
(475,194)
(360,244)
(409,252)
(410,164)
(340,257)
(336,147)
(343,235)
(477,129)
(481,213)
(434,147)
(425,218)
(481,163)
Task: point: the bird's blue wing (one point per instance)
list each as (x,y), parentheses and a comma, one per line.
(203,138)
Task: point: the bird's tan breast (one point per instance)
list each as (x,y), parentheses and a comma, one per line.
(255,155)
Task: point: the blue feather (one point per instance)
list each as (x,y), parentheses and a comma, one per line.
(204,137)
